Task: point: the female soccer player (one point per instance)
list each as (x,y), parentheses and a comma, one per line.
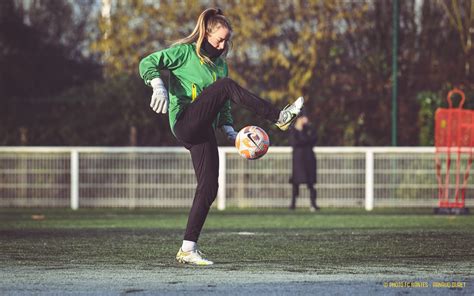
(199,101)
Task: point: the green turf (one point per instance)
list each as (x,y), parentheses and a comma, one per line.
(330,241)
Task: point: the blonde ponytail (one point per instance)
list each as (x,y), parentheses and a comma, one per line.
(207,22)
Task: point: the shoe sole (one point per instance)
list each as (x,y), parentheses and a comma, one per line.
(182,261)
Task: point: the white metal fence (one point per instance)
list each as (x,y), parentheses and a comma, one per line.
(164,177)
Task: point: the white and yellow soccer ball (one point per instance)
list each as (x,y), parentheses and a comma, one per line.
(252,142)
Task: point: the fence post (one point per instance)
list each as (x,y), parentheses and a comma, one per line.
(369,180)
(74,179)
(222,181)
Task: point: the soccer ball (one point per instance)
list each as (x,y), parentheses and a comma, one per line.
(252,142)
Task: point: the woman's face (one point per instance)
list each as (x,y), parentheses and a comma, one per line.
(219,37)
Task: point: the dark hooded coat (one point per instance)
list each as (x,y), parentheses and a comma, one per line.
(304,160)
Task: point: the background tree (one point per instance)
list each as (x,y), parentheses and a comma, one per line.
(41,54)
(335,53)
(461,17)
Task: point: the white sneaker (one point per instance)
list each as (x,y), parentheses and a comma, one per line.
(192,257)
(289,114)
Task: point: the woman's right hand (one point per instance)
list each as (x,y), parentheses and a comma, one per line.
(159,98)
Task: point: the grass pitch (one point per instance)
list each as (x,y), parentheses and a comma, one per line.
(345,251)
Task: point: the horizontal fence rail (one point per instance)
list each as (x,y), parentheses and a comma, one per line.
(364,177)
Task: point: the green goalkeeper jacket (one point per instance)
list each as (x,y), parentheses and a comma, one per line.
(189,75)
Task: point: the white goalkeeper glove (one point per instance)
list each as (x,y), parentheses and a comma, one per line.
(229,132)
(159,98)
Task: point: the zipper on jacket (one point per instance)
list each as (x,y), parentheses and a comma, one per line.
(193,92)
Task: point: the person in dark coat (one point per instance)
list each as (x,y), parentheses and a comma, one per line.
(302,139)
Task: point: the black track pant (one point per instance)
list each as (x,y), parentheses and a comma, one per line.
(296,191)
(194,130)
